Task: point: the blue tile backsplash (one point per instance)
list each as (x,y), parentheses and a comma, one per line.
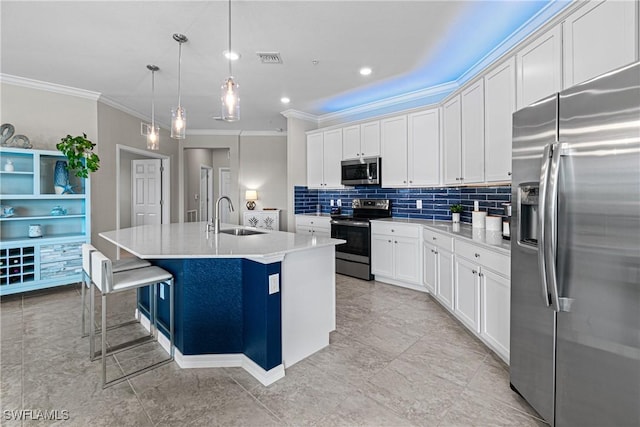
(435,201)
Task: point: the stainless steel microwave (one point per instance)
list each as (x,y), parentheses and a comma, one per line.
(362,172)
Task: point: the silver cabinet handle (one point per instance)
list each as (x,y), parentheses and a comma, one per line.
(435,252)
(474,272)
(432,251)
(392,230)
(457,179)
(389,241)
(477,255)
(404,182)
(480,274)
(362,154)
(433,238)
(395,241)
(410,182)
(509,173)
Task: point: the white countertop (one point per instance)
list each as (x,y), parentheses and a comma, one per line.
(490,239)
(188,240)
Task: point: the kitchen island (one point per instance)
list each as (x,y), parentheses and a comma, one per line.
(263,301)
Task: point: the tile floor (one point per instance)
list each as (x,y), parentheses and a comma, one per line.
(397,358)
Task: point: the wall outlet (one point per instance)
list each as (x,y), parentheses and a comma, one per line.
(418,204)
(331,202)
(274,283)
(339,202)
(161,290)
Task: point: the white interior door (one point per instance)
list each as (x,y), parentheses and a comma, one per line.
(146,206)
(206,193)
(225,188)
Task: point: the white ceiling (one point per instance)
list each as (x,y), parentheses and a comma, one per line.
(105,47)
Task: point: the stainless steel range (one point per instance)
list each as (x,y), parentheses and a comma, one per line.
(354,257)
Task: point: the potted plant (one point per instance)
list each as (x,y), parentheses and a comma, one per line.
(81,159)
(456,210)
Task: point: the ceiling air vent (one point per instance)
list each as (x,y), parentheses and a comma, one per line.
(270,57)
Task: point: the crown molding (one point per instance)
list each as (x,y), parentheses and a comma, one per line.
(213,132)
(393,101)
(49,87)
(263,133)
(114,104)
(297,114)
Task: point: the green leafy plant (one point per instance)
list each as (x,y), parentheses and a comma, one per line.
(457,208)
(79,152)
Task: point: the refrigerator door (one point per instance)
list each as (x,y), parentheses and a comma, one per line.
(532,322)
(598,253)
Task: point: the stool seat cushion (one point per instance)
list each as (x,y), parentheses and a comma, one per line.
(128,264)
(130,279)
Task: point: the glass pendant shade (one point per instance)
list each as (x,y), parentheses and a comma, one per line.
(153,138)
(178,123)
(230,100)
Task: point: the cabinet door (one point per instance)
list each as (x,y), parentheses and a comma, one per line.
(393,133)
(424,148)
(430,268)
(314,160)
(496,311)
(370,139)
(332,157)
(500,103)
(382,255)
(444,283)
(320,232)
(598,38)
(351,142)
(451,141)
(473,133)
(467,293)
(539,68)
(407,259)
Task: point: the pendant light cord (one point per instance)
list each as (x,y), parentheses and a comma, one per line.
(229,52)
(153,95)
(179,71)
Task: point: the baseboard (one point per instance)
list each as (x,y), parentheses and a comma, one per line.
(232,360)
(390,281)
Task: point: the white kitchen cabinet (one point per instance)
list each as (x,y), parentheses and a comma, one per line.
(438,266)
(539,68)
(313,225)
(599,37)
(430,267)
(495,291)
(451,140)
(361,141)
(396,253)
(423,141)
(394,151)
(500,103)
(467,293)
(472,133)
(324,154)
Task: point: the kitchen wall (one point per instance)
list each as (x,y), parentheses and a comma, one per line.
(263,164)
(435,201)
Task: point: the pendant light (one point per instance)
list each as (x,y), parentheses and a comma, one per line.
(229,96)
(178,114)
(153,133)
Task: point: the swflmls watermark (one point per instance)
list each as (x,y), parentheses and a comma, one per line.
(36,414)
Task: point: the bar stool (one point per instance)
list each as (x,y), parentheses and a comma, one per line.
(109,282)
(118,266)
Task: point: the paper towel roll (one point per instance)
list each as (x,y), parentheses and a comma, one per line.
(477,219)
(493,223)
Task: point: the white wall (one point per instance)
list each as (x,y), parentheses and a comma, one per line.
(194,158)
(263,167)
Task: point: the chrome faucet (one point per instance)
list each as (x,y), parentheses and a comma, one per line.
(216,221)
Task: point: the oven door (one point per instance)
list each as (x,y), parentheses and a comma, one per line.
(358,237)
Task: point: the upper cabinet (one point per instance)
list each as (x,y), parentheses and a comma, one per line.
(539,66)
(360,141)
(599,37)
(423,140)
(324,153)
(451,140)
(393,132)
(473,133)
(499,105)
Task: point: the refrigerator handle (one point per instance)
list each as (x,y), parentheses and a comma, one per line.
(542,211)
(551,226)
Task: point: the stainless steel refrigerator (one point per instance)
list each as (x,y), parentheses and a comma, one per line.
(575,253)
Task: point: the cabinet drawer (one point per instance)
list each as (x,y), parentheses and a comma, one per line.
(395,229)
(313,221)
(440,240)
(497,262)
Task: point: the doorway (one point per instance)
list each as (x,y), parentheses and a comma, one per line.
(146,192)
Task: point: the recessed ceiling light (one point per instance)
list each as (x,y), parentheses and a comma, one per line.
(231,56)
(285,100)
(365,71)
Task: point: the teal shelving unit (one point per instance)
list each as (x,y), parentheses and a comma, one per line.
(55,259)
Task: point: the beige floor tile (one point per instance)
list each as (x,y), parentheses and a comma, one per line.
(242,411)
(360,410)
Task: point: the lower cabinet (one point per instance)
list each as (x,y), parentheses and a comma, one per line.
(396,254)
(438,273)
(495,291)
(467,293)
(315,225)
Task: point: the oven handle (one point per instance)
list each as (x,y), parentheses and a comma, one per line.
(361,224)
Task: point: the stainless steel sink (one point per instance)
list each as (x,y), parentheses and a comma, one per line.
(241,232)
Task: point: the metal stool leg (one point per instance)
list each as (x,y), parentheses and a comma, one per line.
(104,340)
